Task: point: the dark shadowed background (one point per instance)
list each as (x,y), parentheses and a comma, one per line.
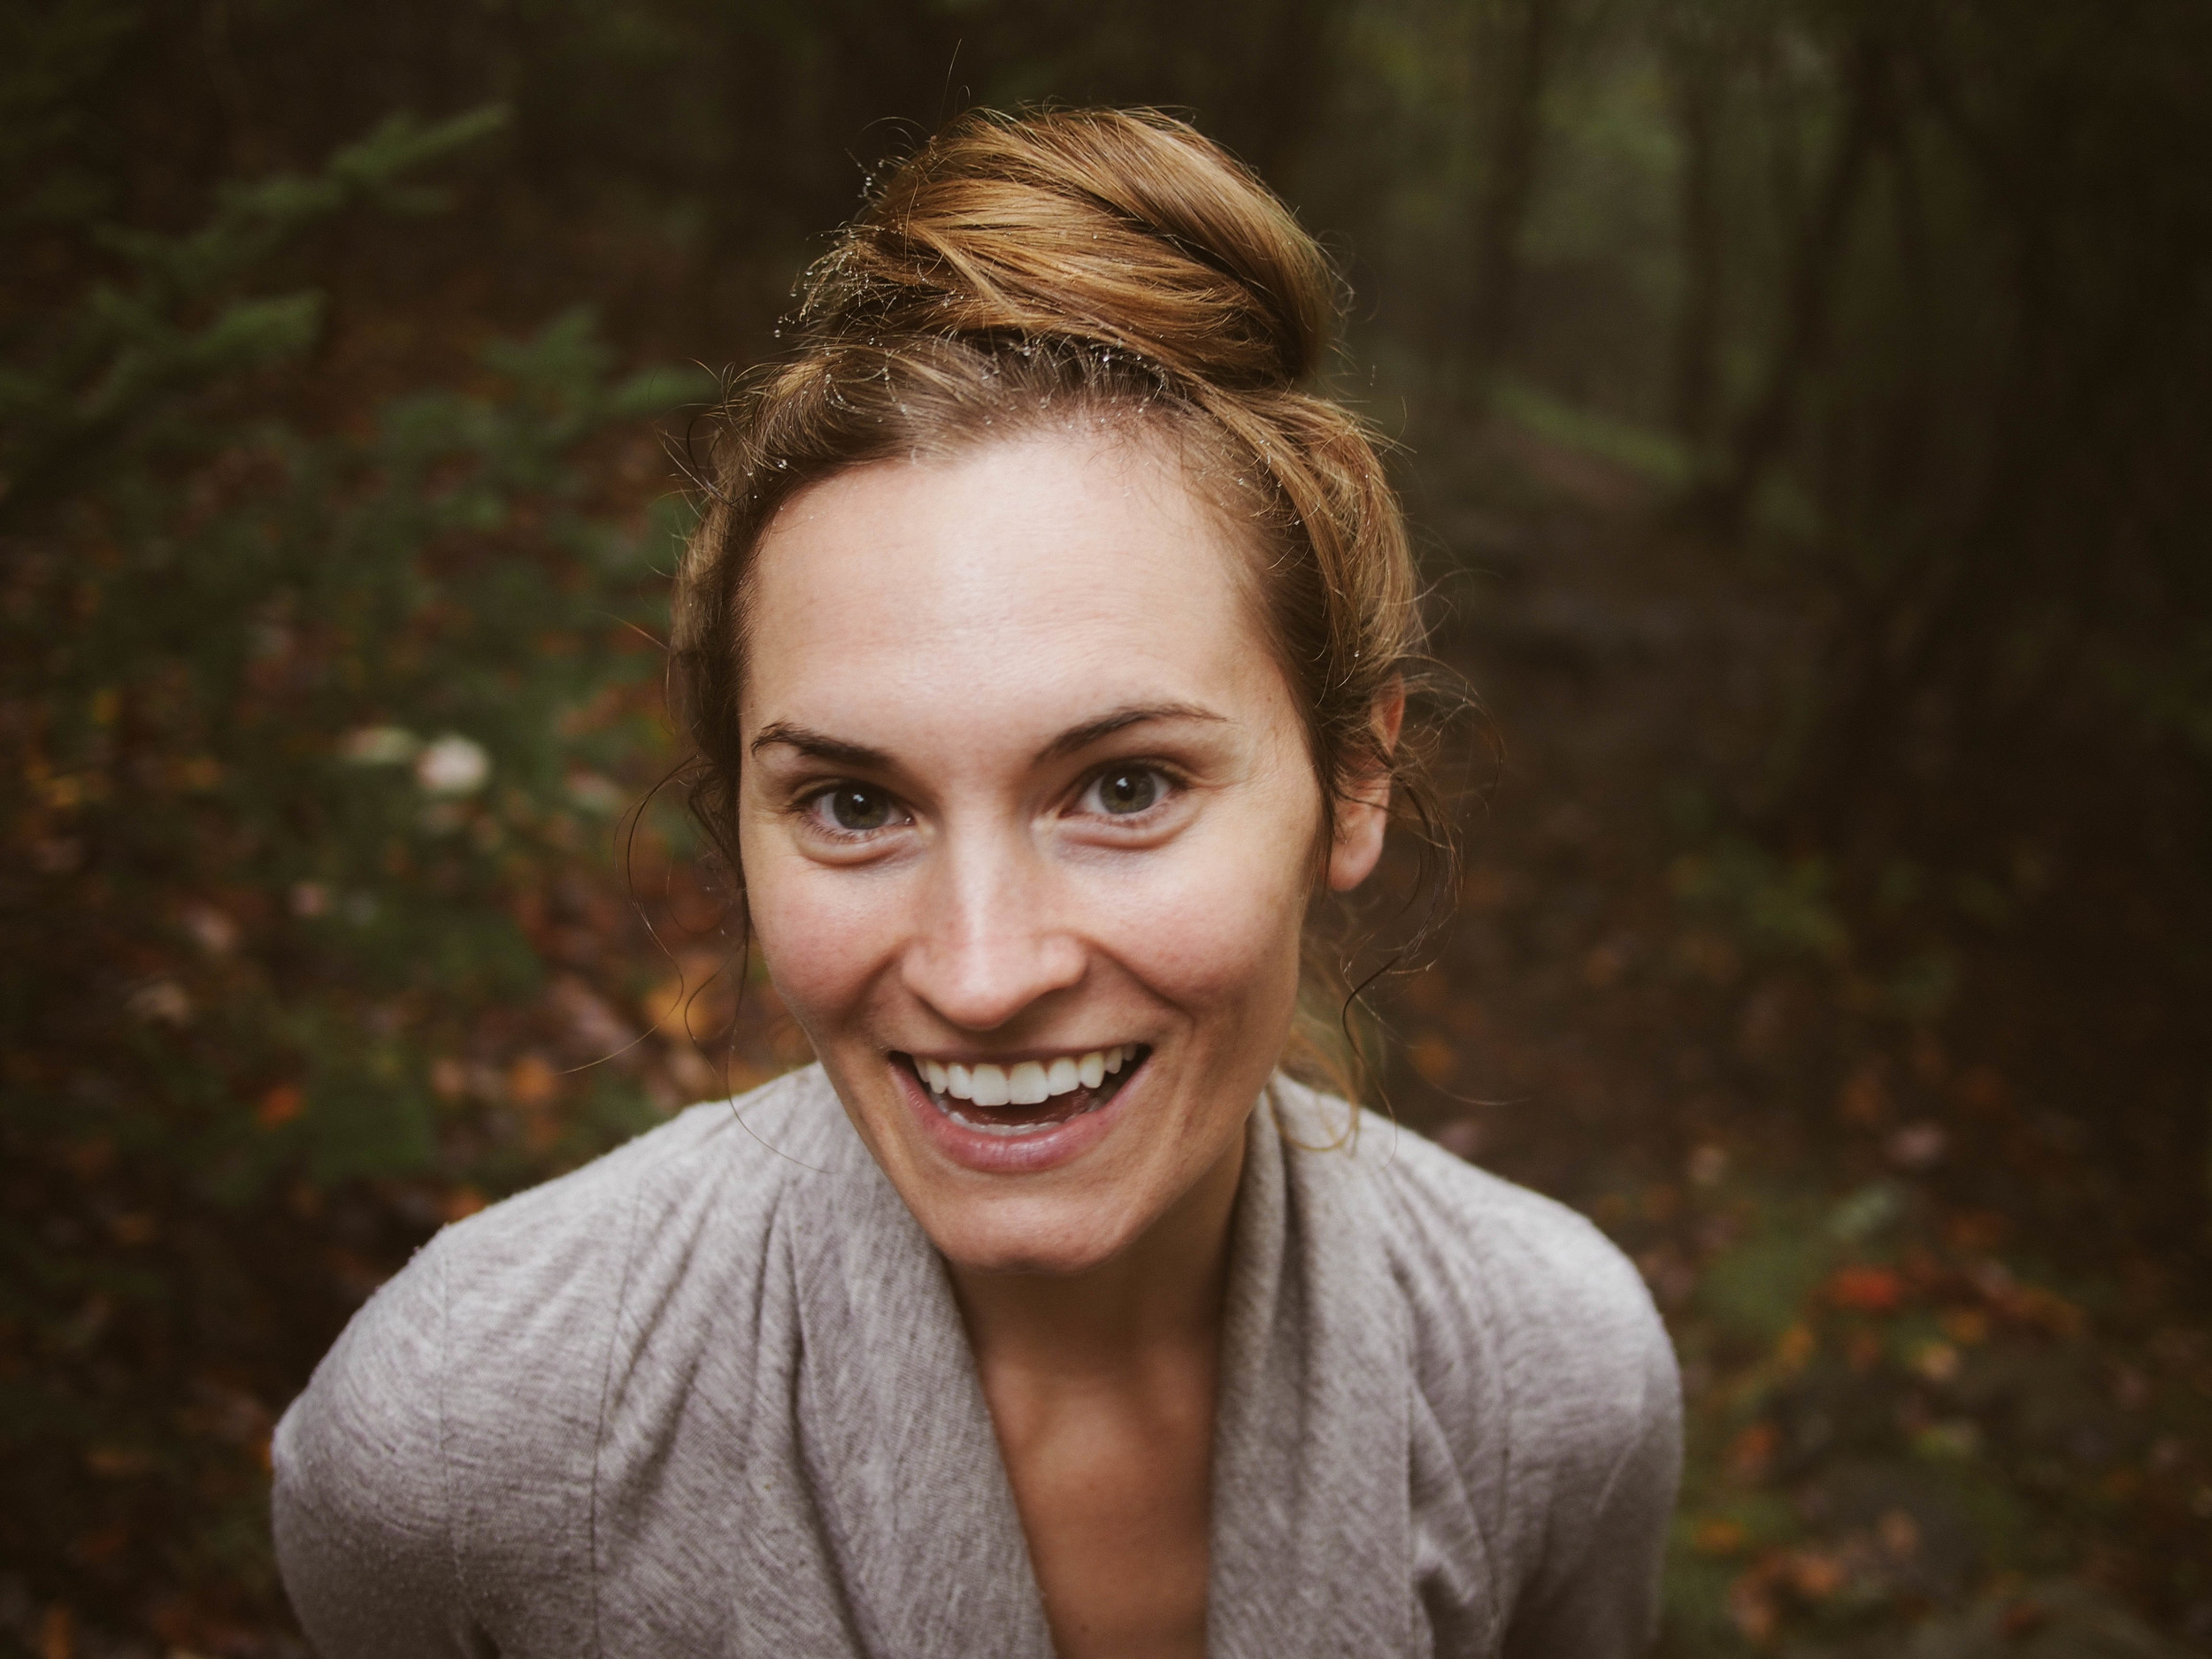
(1804,409)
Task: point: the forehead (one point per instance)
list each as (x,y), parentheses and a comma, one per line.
(1002,592)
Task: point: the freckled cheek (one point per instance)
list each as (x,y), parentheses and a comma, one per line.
(1209,936)
(825,935)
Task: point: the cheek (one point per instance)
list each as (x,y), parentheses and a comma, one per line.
(821,932)
(1218,930)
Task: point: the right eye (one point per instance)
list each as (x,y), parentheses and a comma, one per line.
(851,809)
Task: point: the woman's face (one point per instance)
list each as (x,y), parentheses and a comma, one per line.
(1028,825)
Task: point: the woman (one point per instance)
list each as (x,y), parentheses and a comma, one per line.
(1045,649)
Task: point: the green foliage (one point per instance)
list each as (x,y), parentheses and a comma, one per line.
(1785,908)
(123,367)
(51,58)
(299,727)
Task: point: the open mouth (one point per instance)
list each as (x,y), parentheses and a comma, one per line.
(1029,1096)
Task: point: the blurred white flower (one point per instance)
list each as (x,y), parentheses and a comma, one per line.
(162,1000)
(596,794)
(212,929)
(380,746)
(453,765)
(1917,1146)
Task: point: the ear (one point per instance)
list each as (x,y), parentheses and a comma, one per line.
(1361,819)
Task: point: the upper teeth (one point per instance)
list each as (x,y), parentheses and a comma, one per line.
(1028,1082)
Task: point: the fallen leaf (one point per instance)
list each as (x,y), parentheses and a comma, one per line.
(1751,1453)
(460,1201)
(1716,1537)
(1866,1289)
(279,1106)
(1814,1574)
(1434,1059)
(531,1082)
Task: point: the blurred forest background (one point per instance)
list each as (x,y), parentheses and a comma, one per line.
(1807,410)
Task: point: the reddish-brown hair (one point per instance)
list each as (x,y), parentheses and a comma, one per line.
(1030,271)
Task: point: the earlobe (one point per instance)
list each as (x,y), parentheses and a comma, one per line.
(1359,842)
(1361,821)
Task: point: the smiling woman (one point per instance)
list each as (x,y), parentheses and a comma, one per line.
(1046,647)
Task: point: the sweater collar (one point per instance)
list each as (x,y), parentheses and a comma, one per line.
(1311,1529)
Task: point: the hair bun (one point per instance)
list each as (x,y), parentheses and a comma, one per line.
(1120,229)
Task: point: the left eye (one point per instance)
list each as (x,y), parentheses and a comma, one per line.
(1123,791)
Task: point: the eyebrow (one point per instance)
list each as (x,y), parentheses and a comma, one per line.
(821,745)
(840,751)
(1077,738)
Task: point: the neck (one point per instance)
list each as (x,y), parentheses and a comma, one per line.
(1164,1291)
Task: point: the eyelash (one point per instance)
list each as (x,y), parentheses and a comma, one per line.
(811,806)
(1171,785)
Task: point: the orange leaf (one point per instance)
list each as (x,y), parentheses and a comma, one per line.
(1796,1347)
(532,1081)
(1752,1451)
(1866,1289)
(1433,1059)
(461,1200)
(1716,1537)
(1814,1574)
(1751,1609)
(279,1106)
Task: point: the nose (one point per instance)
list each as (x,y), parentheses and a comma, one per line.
(990,939)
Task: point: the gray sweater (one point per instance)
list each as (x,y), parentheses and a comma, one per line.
(710,1395)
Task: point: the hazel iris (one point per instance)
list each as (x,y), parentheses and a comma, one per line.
(860,809)
(1125,792)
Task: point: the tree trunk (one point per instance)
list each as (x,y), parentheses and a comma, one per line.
(1519,42)
(1764,432)
(1697,328)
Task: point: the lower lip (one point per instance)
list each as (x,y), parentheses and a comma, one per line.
(1010,1155)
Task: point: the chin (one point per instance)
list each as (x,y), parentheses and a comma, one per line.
(1022,1234)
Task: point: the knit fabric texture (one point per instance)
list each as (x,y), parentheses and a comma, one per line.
(710,1394)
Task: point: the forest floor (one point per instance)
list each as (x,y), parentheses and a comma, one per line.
(1907,1412)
